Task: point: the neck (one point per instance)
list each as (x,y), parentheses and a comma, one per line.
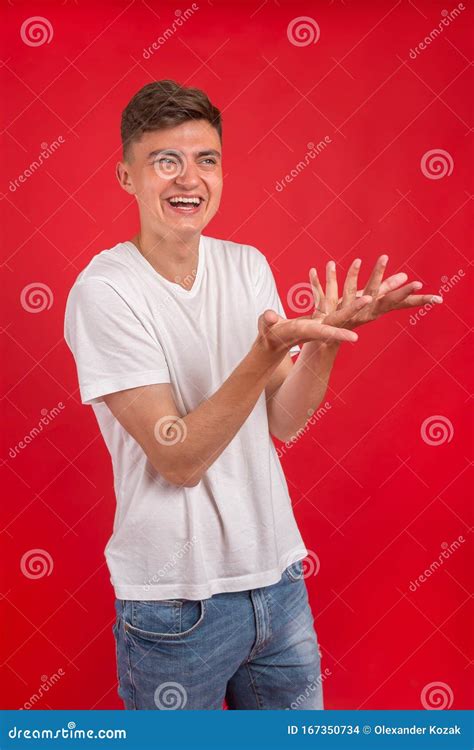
(171,256)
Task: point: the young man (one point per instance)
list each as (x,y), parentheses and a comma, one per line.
(183,349)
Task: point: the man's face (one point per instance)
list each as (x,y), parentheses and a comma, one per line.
(180,162)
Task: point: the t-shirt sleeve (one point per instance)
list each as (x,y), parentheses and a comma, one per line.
(267,293)
(112,348)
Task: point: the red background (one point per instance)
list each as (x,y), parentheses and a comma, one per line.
(375,502)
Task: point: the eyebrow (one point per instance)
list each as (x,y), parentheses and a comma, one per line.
(208,152)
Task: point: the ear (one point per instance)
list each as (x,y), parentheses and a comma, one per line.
(124,178)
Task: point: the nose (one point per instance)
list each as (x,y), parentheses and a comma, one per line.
(189,175)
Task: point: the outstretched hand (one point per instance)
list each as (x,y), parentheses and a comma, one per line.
(391,294)
(279,334)
(334,317)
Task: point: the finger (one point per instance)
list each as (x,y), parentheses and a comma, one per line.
(392,282)
(418,300)
(318,315)
(344,314)
(270,317)
(393,299)
(331,287)
(373,284)
(312,330)
(350,285)
(266,320)
(318,292)
(333,333)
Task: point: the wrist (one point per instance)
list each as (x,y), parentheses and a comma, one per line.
(270,348)
(322,349)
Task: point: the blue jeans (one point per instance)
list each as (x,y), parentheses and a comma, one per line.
(256,649)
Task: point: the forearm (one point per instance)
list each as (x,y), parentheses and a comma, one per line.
(302,391)
(212,425)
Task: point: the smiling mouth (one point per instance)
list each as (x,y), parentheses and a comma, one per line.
(185,205)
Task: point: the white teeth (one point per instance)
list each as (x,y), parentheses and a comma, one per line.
(176,201)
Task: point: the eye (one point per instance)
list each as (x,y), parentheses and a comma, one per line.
(210,160)
(165,160)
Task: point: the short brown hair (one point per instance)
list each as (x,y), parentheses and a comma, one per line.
(165,104)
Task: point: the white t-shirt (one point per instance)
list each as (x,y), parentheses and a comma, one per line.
(128,326)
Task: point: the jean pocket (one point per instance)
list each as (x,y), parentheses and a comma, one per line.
(170,620)
(295,571)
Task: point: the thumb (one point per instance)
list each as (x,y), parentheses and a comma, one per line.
(266,320)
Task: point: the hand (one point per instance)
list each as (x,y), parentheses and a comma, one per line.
(278,334)
(388,295)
